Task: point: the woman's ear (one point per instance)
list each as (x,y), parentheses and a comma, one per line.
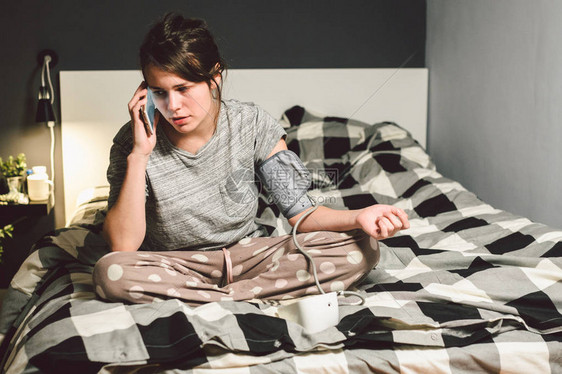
(218,75)
(217,79)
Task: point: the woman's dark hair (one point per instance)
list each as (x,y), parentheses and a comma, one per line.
(183,46)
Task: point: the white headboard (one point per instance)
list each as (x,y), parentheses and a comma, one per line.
(94,107)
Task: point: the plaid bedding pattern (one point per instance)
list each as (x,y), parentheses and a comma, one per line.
(468,288)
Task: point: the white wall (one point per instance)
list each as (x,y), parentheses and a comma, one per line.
(495,103)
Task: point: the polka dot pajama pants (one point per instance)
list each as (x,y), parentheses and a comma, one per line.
(263,268)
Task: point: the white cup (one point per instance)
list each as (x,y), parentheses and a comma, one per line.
(39,187)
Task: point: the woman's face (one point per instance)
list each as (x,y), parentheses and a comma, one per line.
(187,106)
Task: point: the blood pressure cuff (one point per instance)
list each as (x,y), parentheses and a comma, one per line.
(286,180)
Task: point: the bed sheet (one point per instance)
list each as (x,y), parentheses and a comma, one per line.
(467,288)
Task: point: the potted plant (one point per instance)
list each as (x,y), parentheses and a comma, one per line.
(5,232)
(13,169)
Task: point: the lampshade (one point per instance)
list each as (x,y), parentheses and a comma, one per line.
(45,111)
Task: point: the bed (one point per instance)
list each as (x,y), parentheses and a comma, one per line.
(468,288)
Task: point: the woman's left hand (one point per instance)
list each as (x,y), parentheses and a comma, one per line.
(382,221)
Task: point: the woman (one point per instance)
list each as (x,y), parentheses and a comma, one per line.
(182,203)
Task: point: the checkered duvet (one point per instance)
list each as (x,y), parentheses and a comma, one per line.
(467,288)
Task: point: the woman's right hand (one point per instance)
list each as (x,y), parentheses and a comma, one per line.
(124,227)
(143,143)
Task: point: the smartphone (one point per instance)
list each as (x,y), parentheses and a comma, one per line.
(147,113)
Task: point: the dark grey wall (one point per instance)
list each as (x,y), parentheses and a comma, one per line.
(495,101)
(104,35)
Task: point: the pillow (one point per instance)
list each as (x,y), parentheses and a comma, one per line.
(331,146)
(314,136)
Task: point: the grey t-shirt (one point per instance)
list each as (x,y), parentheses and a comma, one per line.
(207,200)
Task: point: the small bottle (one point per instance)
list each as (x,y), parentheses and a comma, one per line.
(28,172)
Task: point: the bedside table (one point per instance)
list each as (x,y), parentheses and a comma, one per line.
(34,208)
(31,222)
